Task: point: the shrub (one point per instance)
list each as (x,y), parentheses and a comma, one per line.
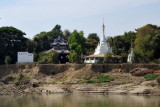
(99,78)
(149,77)
(45,58)
(8,60)
(104,78)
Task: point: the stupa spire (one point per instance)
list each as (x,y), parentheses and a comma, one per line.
(103,27)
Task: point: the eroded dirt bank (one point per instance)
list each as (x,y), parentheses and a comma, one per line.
(78,78)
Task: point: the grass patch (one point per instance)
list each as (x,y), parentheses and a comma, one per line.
(97,78)
(149,77)
(104,78)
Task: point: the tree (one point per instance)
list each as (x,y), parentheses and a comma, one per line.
(66,34)
(8,60)
(94,36)
(12,40)
(147,43)
(30,46)
(41,42)
(77,46)
(121,44)
(91,44)
(54,33)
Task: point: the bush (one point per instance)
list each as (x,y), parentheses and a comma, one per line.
(46,58)
(99,78)
(149,77)
(104,78)
(8,60)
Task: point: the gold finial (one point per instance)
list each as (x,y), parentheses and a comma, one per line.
(103,24)
(103,27)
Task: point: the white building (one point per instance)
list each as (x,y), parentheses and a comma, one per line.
(25,57)
(100,51)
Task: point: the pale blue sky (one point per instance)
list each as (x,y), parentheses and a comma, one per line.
(34,16)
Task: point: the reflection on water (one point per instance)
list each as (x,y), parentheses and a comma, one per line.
(79,100)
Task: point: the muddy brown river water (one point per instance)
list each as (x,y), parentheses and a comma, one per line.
(79,100)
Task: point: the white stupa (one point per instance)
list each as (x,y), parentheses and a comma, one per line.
(100,51)
(103,47)
(131,56)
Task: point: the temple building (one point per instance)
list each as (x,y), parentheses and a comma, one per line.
(100,51)
(61,47)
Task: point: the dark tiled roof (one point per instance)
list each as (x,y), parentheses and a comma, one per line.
(59,51)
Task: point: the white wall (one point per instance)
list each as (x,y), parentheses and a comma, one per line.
(24,57)
(90,60)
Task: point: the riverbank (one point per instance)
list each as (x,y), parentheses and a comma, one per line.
(83,78)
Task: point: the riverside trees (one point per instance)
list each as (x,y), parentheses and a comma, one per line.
(145,41)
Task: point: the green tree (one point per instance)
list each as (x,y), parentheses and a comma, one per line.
(77,46)
(121,44)
(91,44)
(8,60)
(12,40)
(54,33)
(93,36)
(147,43)
(41,42)
(30,46)
(66,34)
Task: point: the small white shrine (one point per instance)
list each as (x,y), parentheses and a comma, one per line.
(24,57)
(100,51)
(131,56)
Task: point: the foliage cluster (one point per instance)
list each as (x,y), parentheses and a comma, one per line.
(8,60)
(97,78)
(149,77)
(77,46)
(12,41)
(145,41)
(46,58)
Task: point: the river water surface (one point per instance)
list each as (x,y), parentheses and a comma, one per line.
(79,100)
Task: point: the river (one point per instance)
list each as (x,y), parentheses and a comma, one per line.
(79,100)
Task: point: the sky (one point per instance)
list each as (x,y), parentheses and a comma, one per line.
(35,16)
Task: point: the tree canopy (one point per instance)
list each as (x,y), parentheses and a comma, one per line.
(93,36)
(12,40)
(147,43)
(77,46)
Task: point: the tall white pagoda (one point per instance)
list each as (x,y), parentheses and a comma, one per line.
(100,51)
(103,47)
